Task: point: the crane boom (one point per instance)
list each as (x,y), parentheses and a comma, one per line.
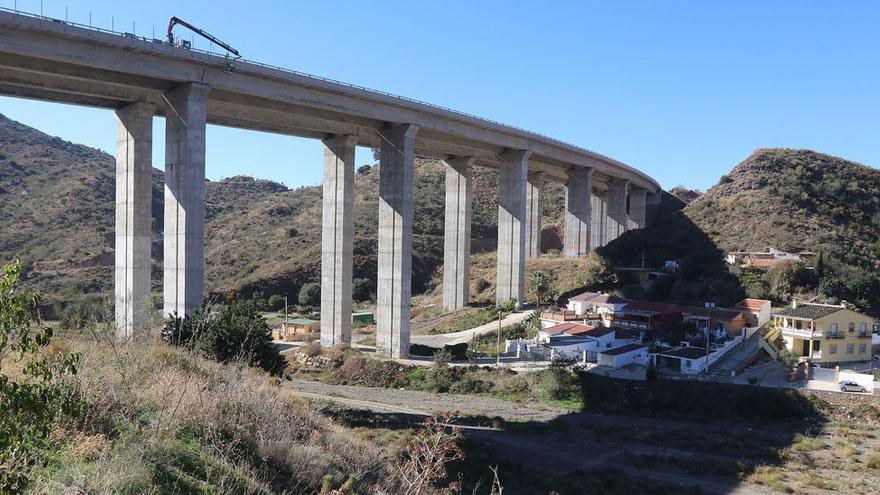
(208,36)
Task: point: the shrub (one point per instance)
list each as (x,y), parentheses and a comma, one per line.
(310,294)
(362,289)
(482,284)
(226,333)
(558,382)
(470,383)
(30,402)
(440,377)
(275,302)
(873,462)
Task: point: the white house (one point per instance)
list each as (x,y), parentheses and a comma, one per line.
(596,303)
(619,357)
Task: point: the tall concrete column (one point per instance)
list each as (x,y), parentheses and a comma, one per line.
(578,199)
(533,214)
(637,207)
(397,159)
(616,217)
(337,240)
(184,240)
(134,192)
(510,284)
(457,236)
(598,217)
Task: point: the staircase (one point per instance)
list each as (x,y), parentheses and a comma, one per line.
(770,342)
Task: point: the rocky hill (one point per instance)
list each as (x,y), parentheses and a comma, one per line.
(261,236)
(796,200)
(785,198)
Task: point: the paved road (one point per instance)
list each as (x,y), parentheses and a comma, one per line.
(442,339)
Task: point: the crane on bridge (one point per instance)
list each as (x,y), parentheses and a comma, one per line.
(208,36)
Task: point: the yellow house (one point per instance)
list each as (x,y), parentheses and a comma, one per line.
(825,333)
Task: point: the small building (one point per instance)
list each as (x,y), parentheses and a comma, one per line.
(362,317)
(825,334)
(690,360)
(298,328)
(766,259)
(647,316)
(596,303)
(619,357)
(756,311)
(718,320)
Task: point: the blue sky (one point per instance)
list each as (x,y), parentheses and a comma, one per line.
(681,90)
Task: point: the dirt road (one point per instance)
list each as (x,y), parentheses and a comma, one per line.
(574,441)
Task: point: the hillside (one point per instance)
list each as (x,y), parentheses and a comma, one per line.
(795,200)
(261,236)
(785,198)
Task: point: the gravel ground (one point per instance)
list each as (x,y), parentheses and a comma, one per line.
(427,403)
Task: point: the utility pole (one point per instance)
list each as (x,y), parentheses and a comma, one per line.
(498,337)
(285,313)
(708,329)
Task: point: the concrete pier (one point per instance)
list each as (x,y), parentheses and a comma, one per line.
(394,288)
(457,235)
(510,280)
(184,240)
(598,218)
(533,214)
(337,240)
(578,198)
(637,207)
(616,217)
(134,193)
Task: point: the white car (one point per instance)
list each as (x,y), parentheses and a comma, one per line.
(851,387)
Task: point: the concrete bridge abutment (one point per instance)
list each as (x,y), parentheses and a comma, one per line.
(578,198)
(134,193)
(457,233)
(393,291)
(184,239)
(510,279)
(533,214)
(337,239)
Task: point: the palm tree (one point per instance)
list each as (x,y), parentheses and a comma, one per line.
(543,285)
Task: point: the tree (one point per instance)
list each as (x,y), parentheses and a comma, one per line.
(598,271)
(310,294)
(234,332)
(32,399)
(543,286)
(362,289)
(275,302)
(789,358)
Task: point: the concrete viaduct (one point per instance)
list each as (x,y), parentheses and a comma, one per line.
(140,78)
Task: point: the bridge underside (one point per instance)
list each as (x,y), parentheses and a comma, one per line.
(53,61)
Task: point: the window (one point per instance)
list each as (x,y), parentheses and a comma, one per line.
(834,329)
(863,348)
(850,348)
(863,329)
(852,327)
(832,349)
(687,363)
(797,324)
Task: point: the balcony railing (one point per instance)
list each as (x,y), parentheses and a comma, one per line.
(835,336)
(799,332)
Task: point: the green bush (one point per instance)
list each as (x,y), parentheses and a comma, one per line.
(440,376)
(470,383)
(559,382)
(275,302)
(310,294)
(31,402)
(227,333)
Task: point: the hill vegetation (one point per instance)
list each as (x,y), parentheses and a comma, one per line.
(261,237)
(794,200)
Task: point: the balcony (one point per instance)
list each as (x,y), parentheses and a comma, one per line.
(839,335)
(799,333)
